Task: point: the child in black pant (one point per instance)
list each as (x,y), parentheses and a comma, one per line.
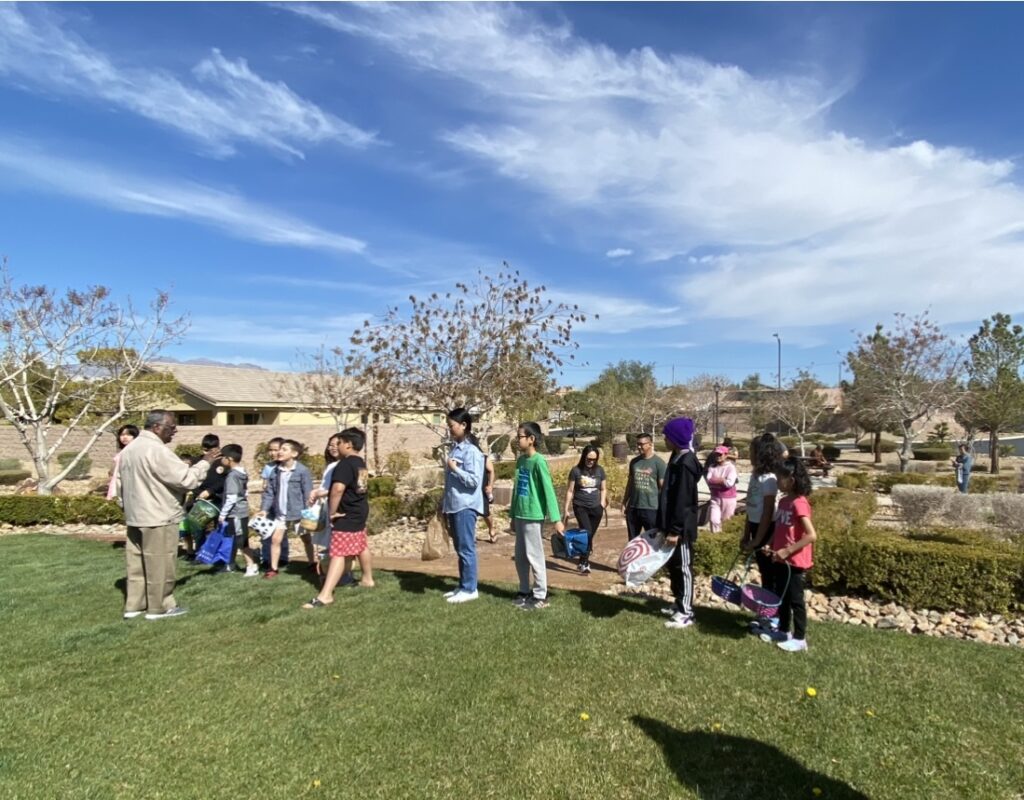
(677,517)
(792,554)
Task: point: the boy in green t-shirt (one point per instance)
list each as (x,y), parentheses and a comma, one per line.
(643,487)
(533,501)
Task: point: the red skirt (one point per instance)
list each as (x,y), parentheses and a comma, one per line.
(347,543)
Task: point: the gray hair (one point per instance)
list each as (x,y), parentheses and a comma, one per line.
(156,418)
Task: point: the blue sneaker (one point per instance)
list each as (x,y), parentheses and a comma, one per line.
(775,636)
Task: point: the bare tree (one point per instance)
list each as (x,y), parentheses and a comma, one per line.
(321,387)
(477,347)
(800,405)
(910,372)
(77,361)
(698,399)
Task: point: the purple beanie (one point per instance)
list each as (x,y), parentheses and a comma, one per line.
(679,432)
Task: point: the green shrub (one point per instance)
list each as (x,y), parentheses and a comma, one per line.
(383,511)
(398,464)
(855,481)
(58,510)
(12,477)
(938,572)
(81,470)
(933,452)
(504,470)
(886,446)
(382,486)
(8,464)
(192,451)
(556,445)
(425,505)
(498,444)
(885,481)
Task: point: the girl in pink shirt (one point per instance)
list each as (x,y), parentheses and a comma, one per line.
(792,543)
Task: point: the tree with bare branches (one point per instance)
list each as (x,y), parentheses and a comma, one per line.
(489,346)
(800,406)
(77,361)
(909,372)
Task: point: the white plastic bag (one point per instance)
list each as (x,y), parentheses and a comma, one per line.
(643,557)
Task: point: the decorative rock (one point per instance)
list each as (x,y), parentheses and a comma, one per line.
(886,623)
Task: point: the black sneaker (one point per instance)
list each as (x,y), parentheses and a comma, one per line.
(535,604)
(521,599)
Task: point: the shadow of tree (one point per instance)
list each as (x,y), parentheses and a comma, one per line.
(719,766)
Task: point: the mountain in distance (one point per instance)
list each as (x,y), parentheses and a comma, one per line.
(209,362)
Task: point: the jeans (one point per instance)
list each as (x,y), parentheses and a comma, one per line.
(588,518)
(462,525)
(639,520)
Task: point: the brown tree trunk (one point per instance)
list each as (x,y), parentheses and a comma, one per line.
(877,447)
(993,452)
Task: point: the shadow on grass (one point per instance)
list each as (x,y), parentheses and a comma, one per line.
(421,583)
(718,765)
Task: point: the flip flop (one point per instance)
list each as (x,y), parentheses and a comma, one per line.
(316,602)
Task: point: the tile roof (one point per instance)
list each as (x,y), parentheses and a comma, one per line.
(236,386)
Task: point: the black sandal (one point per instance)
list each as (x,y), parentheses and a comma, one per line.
(316,602)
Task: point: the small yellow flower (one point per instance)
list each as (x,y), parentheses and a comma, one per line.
(335,677)
(584,716)
(316,783)
(869,713)
(717,726)
(812,692)
(816,791)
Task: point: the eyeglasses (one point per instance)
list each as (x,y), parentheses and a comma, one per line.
(591,459)
(523,436)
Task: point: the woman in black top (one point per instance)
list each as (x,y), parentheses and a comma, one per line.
(587,496)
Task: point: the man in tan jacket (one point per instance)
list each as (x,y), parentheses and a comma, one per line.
(151,483)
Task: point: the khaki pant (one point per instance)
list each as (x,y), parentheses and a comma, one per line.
(151,557)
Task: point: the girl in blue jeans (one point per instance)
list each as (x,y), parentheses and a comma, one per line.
(463,500)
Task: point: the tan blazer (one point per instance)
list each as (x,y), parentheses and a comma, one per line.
(151,482)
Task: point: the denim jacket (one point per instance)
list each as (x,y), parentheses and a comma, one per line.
(463,486)
(299,487)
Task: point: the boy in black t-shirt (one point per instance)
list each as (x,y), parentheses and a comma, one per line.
(348,508)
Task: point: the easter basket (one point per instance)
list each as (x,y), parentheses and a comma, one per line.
(761,601)
(727,589)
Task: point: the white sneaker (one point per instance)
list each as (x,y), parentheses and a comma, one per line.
(680,620)
(133,614)
(252,571)
(177,611)
(452,593)
(775,636)
(463,597)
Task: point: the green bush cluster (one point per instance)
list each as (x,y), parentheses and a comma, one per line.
(555,445)
(12,477)
(423,506)
(498,444)
(943,570)
(382,486)
(192,451)
(933,452)
(8,464)
(504,470)
(24,510)
(81,470)
(886,480)
(980,484)
(886,446)
(855,481)
(383,511)
(398,464)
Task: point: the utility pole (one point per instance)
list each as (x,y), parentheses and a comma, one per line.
(778,382)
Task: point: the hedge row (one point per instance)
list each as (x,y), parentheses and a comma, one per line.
(884,481)
(944,570)
(25,510)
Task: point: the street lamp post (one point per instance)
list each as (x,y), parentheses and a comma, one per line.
(778,375)
(717,389)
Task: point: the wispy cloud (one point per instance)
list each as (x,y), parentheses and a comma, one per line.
(223,102)
(688,156)
(290,335)
(136,194)
(619,252)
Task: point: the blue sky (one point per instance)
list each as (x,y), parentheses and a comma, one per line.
(699,175)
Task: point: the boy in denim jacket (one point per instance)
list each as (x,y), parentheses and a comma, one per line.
(284,497)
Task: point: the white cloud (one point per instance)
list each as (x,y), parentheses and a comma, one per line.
(220,209)
(616,314)
(619,252)
(289,334)
(684,155)
(226,103)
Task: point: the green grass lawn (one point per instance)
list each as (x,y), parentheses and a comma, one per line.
(394,693)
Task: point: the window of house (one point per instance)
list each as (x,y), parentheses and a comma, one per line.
(251,418)
(232,419)
(186,419)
